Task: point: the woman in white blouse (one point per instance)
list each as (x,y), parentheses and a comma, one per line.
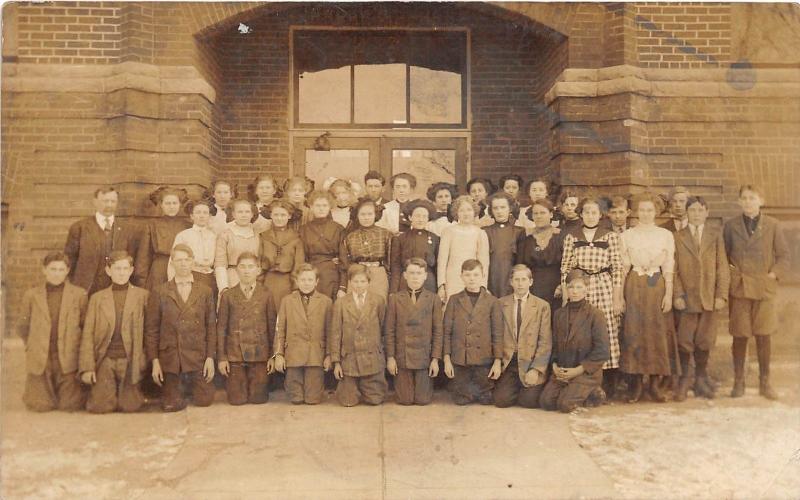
(648,259)
(461,241)
(239,237)
(202,240)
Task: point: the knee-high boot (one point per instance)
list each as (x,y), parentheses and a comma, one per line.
(763,347)
(739,351)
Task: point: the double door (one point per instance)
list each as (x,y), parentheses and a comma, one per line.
(429,159)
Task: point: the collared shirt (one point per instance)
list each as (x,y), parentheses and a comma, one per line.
(697,232)
(248,290)
(184,286)
(680,223)
(101,220)
(203,242)
(751,223)
(360,299)
(414,294)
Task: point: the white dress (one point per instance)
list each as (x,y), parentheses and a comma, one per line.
(461,242)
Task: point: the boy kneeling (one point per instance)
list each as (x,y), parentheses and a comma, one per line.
(245,326)
(112,357)
(414,336)
(580,347)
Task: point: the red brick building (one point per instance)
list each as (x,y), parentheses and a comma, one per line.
(618,96)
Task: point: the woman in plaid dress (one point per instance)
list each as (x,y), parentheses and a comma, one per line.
(596,251)
(367,244)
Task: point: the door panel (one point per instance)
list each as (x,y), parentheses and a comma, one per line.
(347,158)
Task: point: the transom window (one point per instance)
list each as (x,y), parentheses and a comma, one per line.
(382,78)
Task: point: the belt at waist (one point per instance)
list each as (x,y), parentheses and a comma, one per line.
(368,263)
(649,271)
(592,273)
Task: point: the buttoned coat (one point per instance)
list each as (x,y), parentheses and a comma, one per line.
(299,336)
(751,258)
(414,330)
(101,320)
(586,343)
(86,249)
(534,343)
(356,339)
(701,274)
(473,335)
(34,327)
(181,335)
(245,327)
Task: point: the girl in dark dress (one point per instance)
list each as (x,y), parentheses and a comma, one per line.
(321,238)
(441,195)
(416,242)
(568,217)
(541,252)
(281,251)
(480,188)
(504,239)
(152,259)
(294,191)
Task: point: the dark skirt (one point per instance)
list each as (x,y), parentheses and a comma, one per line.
(280,284)
(328,273)
(645,344)
(545,281)
(208,280)
(158,272)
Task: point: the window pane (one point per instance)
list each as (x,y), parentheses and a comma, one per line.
(380,93)
(427,165)
(435,96)
(342,163)
(325,96)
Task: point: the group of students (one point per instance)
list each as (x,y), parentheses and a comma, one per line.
(536,305)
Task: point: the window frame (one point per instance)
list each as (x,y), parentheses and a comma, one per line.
(294,85)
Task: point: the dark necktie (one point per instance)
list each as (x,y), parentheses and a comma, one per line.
(519,315)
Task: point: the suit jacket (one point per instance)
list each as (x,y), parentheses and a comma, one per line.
(670,224)
(86,248)
(356,335)
(99,327)
(181,335)
(34,327)
(535,338)
(751,258)
(245,328)
(701,274)
(473,336)
(301,338)
(586,343)
(414,331)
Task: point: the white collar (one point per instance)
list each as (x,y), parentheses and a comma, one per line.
(101,219)
(523,299)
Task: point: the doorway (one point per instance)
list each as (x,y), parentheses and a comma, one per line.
(429,159)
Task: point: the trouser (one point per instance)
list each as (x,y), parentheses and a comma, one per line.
(304,384)
(369,389)
(247,383)
(566,396)
(202,392)
(53,389)
(739,351)
(508,390)
(413,386)
(696,331)
(470,384)
(750,318)
(113,389)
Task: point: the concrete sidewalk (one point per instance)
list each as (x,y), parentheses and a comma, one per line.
(281,450)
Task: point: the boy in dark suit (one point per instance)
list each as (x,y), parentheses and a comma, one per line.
(245,326)
(701,288)
(50,325)
(90,241)
(355,345)
(758,256)
(414,336)
(580,347)
(180,338)
(473,339)
(112,346)
(526,343)
(301,333)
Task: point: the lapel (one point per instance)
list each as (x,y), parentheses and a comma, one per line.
(528,311)
(685,237)
(117,234)
(66,299)
(758,233)
(106,306)
(707,238)
(97,234)
(738,227)
(508,312)
(172,291)
(580,319)
(313,303)
(466,303)
(40,298)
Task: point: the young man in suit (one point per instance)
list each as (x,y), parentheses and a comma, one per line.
(90,242)
(677,198)
(50,325)
(180,338)
(245,327)
(112,357)
(580,347)
(618,213)
(701,289)
(394,217)
(473,338)
(758,255)
(301,333)
(414,336)
(374,182)
(356,345)
(526,343)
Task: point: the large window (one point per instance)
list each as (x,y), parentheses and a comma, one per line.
(381,78)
